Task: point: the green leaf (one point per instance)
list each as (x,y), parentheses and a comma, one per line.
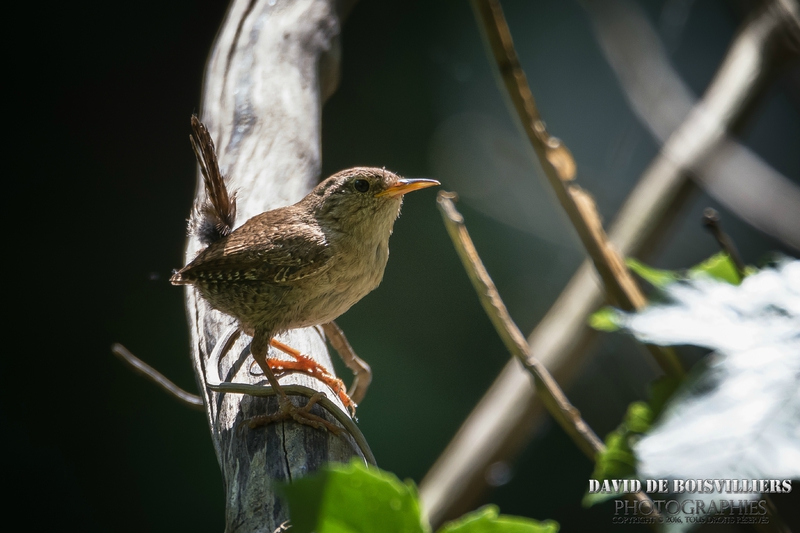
(615,462)
(749,270)
(662,390)
(618,460)
(593,498)
(488,520)
(605,319)
(639,417)
(718,266)
(353,499)
(655,277)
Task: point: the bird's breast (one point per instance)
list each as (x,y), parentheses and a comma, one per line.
(357,269)
(361,268)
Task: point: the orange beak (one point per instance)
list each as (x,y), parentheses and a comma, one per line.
(403,186)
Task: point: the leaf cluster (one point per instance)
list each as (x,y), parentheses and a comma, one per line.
(354,498)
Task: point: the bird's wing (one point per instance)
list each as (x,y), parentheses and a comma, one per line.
(259,251)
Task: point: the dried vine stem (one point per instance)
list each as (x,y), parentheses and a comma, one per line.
(497,428)
(711,223)
(554,398)
(559,167)
(548,389)
(188,399)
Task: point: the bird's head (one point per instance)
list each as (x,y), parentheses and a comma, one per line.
(363,195)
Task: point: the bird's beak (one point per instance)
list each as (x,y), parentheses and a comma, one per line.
(403,186)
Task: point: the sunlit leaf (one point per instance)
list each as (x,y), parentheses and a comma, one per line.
(655,277)
(738,415)
(604,319)
(618,460)
(639,417)
(489,520)
(719,266)
(353,499)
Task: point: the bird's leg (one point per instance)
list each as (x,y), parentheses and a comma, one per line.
(361,371)
(307,365)
(286,409)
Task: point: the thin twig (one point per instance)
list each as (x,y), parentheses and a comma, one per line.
(559,167)
(186,398)
(711,222)
(261,391)
(362,373)
(549,391)
(497,429)
(555,399)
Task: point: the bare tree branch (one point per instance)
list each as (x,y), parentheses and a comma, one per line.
(735,176)
(557,403)
(497,428)
(559,168)
(187,398)
(554,398)
(272,66)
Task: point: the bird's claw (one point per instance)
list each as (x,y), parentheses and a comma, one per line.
(306,365)
(302,415)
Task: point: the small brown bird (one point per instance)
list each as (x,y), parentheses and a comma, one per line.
(301,265)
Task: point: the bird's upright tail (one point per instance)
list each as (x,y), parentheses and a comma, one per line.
(212,218)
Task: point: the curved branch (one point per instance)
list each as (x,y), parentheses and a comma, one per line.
(728,171)
(497,429)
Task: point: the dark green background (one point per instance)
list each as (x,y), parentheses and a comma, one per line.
(102,178)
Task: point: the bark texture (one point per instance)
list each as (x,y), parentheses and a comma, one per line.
(272,66)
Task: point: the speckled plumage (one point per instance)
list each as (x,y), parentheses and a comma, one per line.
(304,264)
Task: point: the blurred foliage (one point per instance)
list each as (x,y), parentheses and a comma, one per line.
(655,277)
(355,498)
(488,520)
(718,266)
(604,319)
(618,461)
(107,98)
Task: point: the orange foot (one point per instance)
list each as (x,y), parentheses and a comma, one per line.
(302,415)
(308,366)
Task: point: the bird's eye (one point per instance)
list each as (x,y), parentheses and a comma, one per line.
(361,185)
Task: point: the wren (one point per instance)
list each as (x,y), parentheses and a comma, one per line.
(296,266)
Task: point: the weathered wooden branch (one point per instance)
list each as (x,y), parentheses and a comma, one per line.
(737,177)
(560,169)
(550,393)
(503,421)
(272,66)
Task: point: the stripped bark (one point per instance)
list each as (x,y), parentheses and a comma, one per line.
(272,66)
